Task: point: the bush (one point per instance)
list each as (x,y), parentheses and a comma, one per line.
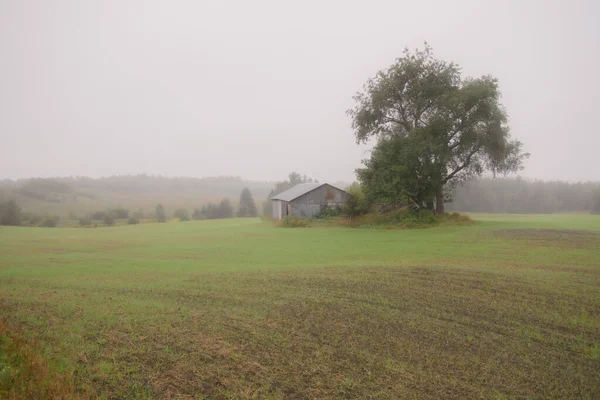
(409,219)
(139,214)
(108,220)
(182,214)
(50,221)
(329,212)
(99,215)
(293,222)
(85,221)
(161,215)
(133,221)
(357,203)
(34,219)
(119,213)
(198,214)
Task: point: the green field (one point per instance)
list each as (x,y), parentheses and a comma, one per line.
(506,308)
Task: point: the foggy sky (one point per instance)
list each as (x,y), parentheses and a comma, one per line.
(260,88)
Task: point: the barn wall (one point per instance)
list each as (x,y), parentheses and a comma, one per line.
(276,209)
(310,204)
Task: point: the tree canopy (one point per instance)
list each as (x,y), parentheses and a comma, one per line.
(434,130)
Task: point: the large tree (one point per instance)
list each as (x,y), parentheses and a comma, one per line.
(434,130)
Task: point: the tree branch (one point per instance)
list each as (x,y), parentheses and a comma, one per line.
(464,165)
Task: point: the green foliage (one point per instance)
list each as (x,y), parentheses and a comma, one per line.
(10,213)
(247,206)
(215,211)
(329,212)
(119,213)
(108,220)
(50,221)
(595,208)
(406,218)
(133,220)
(31,219)
(99,215)
(199,214)
(225,209)
(161,215)
(182,214)
(139,214)
(435,131)
(85,221)
(357,203)
(293,222)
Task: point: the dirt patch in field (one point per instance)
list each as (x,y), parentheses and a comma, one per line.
(566,238)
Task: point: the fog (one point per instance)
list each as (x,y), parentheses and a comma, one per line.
(260,88)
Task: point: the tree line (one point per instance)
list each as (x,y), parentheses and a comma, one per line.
(524,197)
(11,213)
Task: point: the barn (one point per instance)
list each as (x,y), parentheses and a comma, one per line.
(307,200)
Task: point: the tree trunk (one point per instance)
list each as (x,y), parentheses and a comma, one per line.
(439,201)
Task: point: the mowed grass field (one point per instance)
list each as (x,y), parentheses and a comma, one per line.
(506,308)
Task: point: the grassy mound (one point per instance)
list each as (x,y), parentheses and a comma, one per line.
(396,219)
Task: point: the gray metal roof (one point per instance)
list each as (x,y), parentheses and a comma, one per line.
(297,191)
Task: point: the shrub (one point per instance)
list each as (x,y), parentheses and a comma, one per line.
(357,203)
(133,221)
(119,213)
(161,215)
(34,219)
(182,214)
(108,220)
(85,221)
(99,215)
(293,222)
(139,214)
(50,221)
(329,212)
(198,214)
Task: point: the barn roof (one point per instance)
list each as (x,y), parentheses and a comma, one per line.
(298,191)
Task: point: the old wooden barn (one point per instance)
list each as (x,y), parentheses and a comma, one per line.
(307,200)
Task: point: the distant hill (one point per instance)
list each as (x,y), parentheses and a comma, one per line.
(78,196)
(81,195)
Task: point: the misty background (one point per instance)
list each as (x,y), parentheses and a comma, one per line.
(259,89)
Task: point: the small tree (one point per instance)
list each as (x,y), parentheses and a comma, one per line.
(198,214)
(247,206)
(225,209)
(109,220)
(182,214)
(357,203)
(161,215)
(10,213)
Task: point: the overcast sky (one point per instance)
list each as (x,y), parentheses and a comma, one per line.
(260,88)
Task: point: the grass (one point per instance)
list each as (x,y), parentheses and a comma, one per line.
(508,307)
